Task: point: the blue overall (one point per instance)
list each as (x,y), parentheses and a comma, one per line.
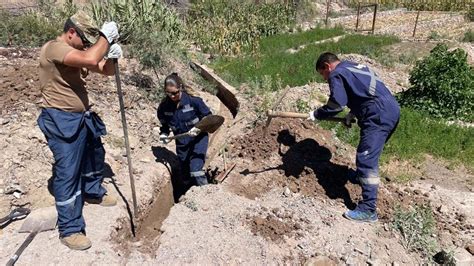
(359,88)
(180,118)
(74,139)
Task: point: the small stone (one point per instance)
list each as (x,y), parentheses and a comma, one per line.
(17,194)
(4,121)
(137,244)
(443,209)
(287,192)
(11,189)
(259,221)
(470,248)
(145,160)
(320,261)
(463,257)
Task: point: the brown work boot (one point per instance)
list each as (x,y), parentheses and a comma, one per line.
(76,241)
(106,201)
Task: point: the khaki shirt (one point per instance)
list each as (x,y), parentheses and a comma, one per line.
(62,87)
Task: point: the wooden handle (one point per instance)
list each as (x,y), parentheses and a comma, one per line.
(182,135)
(286,114)
(271,113)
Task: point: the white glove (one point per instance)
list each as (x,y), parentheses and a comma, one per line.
(194,132)
(115,51)
(110,31)
(311,116)
(350,118)
(164,138)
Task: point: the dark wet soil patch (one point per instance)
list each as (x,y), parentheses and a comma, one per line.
(147,231)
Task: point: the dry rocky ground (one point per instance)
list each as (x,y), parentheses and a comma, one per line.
(281,204)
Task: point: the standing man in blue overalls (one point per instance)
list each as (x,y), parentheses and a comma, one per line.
(377,111)
(72,130)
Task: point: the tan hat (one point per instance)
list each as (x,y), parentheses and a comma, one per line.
(85,23)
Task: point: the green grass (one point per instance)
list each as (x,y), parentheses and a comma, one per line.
(295,69)
(418,134)
(282,42)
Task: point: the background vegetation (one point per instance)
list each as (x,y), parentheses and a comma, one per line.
(442,85)
(296,68)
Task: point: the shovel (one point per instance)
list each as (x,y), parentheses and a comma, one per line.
(16,214)
(38,221)
(208,124)
(225,92)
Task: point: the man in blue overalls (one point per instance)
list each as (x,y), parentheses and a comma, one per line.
(72,130)
(369,100)
(180,111)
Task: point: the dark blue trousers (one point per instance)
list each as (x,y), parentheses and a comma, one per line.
(74,139)
(192,156)
(379,121)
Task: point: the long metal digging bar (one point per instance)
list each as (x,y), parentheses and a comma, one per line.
(125,135)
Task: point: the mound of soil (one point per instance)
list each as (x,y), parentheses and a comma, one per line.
(303,157)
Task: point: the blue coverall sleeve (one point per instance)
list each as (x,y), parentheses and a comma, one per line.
(165,128)
(201,108)
(337,99)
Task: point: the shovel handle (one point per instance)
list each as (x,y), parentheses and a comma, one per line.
(286,114)
(182,135)
(301,115)
(20,250)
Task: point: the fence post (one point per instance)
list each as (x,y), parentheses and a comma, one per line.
(416,22)
(327,11)
(373,21)
(358,13)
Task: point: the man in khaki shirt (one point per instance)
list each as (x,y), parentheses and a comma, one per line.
(74,132)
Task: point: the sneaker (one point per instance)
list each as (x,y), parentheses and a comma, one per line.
(361,216)
(106,200)
(76,241)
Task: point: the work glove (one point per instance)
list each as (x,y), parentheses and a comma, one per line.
(110,31)
(311,116)
(115,51)
(164,139)
(350,118)
(194,132)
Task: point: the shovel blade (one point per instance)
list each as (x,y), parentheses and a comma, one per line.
(225,92)
(39,220)
(210,123)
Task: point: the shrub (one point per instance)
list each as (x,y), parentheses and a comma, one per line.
(442,85)
(34,28)
(416,227)
(229,27)
(468,36)
(470,13)
(29,29)
(151,28)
